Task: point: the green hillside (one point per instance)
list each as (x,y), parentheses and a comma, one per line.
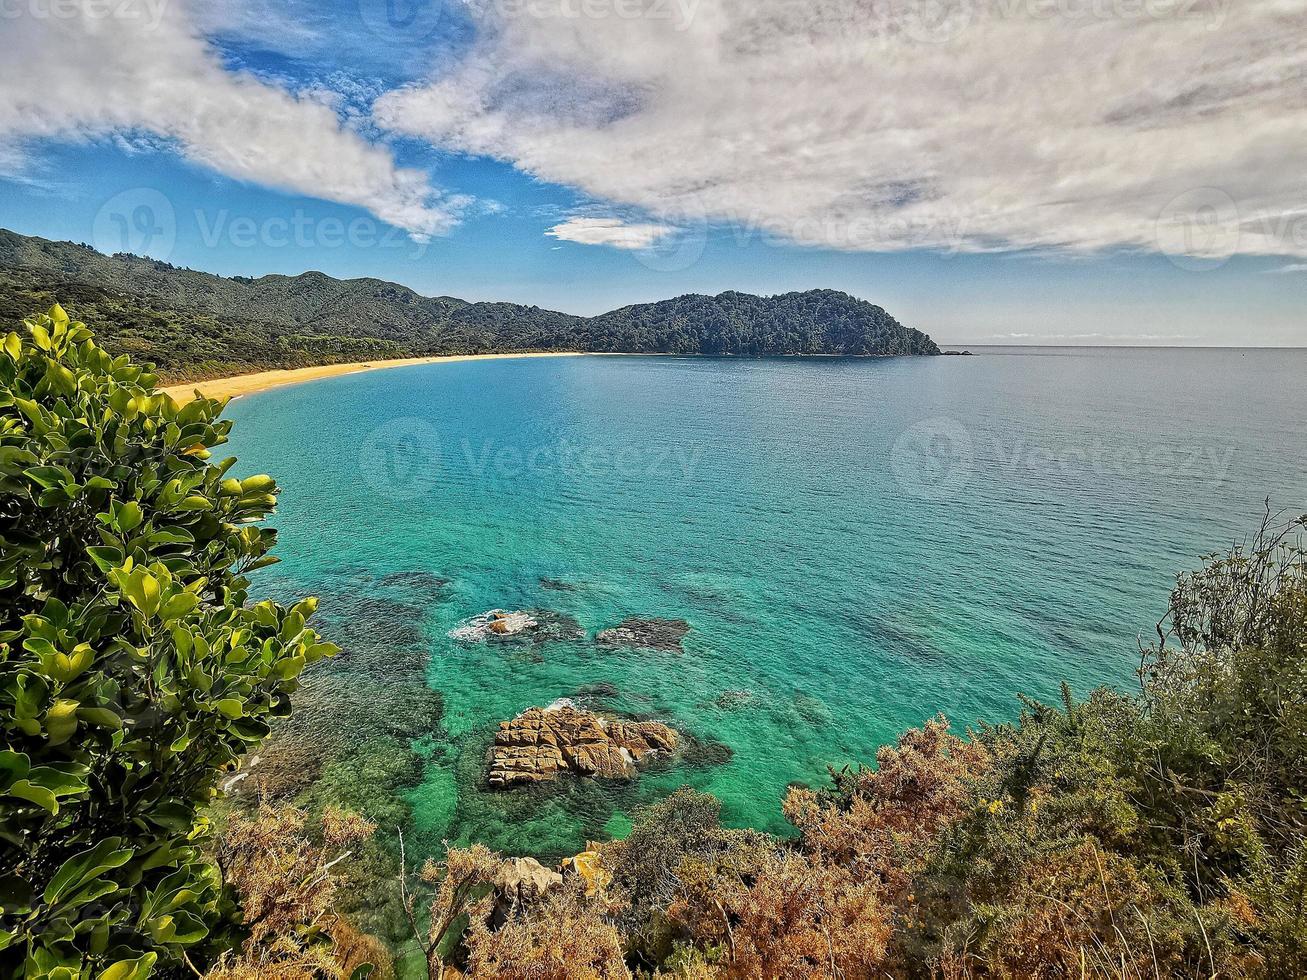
(196,325)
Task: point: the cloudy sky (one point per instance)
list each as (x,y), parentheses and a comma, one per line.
(1058,171)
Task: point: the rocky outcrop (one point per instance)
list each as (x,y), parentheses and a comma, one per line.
(541,743)
(527,626)
(520,883)
(510,623)
(647,633)
(589,865)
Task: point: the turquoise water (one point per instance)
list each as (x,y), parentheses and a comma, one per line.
(856,545)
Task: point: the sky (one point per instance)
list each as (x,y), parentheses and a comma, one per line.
(990,171)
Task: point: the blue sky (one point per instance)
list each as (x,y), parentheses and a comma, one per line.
(584,154)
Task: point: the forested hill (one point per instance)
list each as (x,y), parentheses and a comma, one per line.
(819,321)
(195,324)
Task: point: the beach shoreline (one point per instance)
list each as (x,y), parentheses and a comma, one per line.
(249,384)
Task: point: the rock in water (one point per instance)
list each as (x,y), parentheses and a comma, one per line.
(522,626)
(540,743)
(510,623)
(646,632)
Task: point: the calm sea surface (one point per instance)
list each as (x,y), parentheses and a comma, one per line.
(856,545)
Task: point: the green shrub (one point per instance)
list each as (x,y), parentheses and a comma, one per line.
(132,670)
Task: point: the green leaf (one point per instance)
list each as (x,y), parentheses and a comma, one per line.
(101,717)
(60,378)
(50,477)
(137,969)
(26,790)
(178,605)
(230,707)
(86,866)
(61,721)
(13,765)
(61,780)
(106,557)
(257,484)
(14,460)
(142,590)
(129,516)
(176,817)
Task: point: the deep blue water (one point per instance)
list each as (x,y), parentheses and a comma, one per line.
(856,544)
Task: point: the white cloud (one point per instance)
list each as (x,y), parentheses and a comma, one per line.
(91,69)
(1290,267)
(862,124)
(610,231)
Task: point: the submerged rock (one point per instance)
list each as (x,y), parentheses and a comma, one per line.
(422,581)
(706,753)
(556,585)
(534,625)
(541,743)
(730,700)
(645,632)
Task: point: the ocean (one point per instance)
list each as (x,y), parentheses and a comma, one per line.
(855,545)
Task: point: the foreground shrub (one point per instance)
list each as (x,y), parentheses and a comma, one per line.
(567,938)
(288,887)
(133,671)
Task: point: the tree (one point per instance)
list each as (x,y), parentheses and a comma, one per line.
(462,884)
(133,670)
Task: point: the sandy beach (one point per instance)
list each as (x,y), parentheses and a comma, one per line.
(248,384)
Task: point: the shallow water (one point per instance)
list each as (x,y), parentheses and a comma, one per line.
(856,545)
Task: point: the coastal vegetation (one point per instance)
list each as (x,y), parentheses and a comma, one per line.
(194,325)
(1127,835)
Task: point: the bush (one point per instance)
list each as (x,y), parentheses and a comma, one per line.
(132,670)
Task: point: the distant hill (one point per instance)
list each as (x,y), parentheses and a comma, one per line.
(197,325)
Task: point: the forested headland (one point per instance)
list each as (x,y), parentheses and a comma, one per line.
(194,325)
